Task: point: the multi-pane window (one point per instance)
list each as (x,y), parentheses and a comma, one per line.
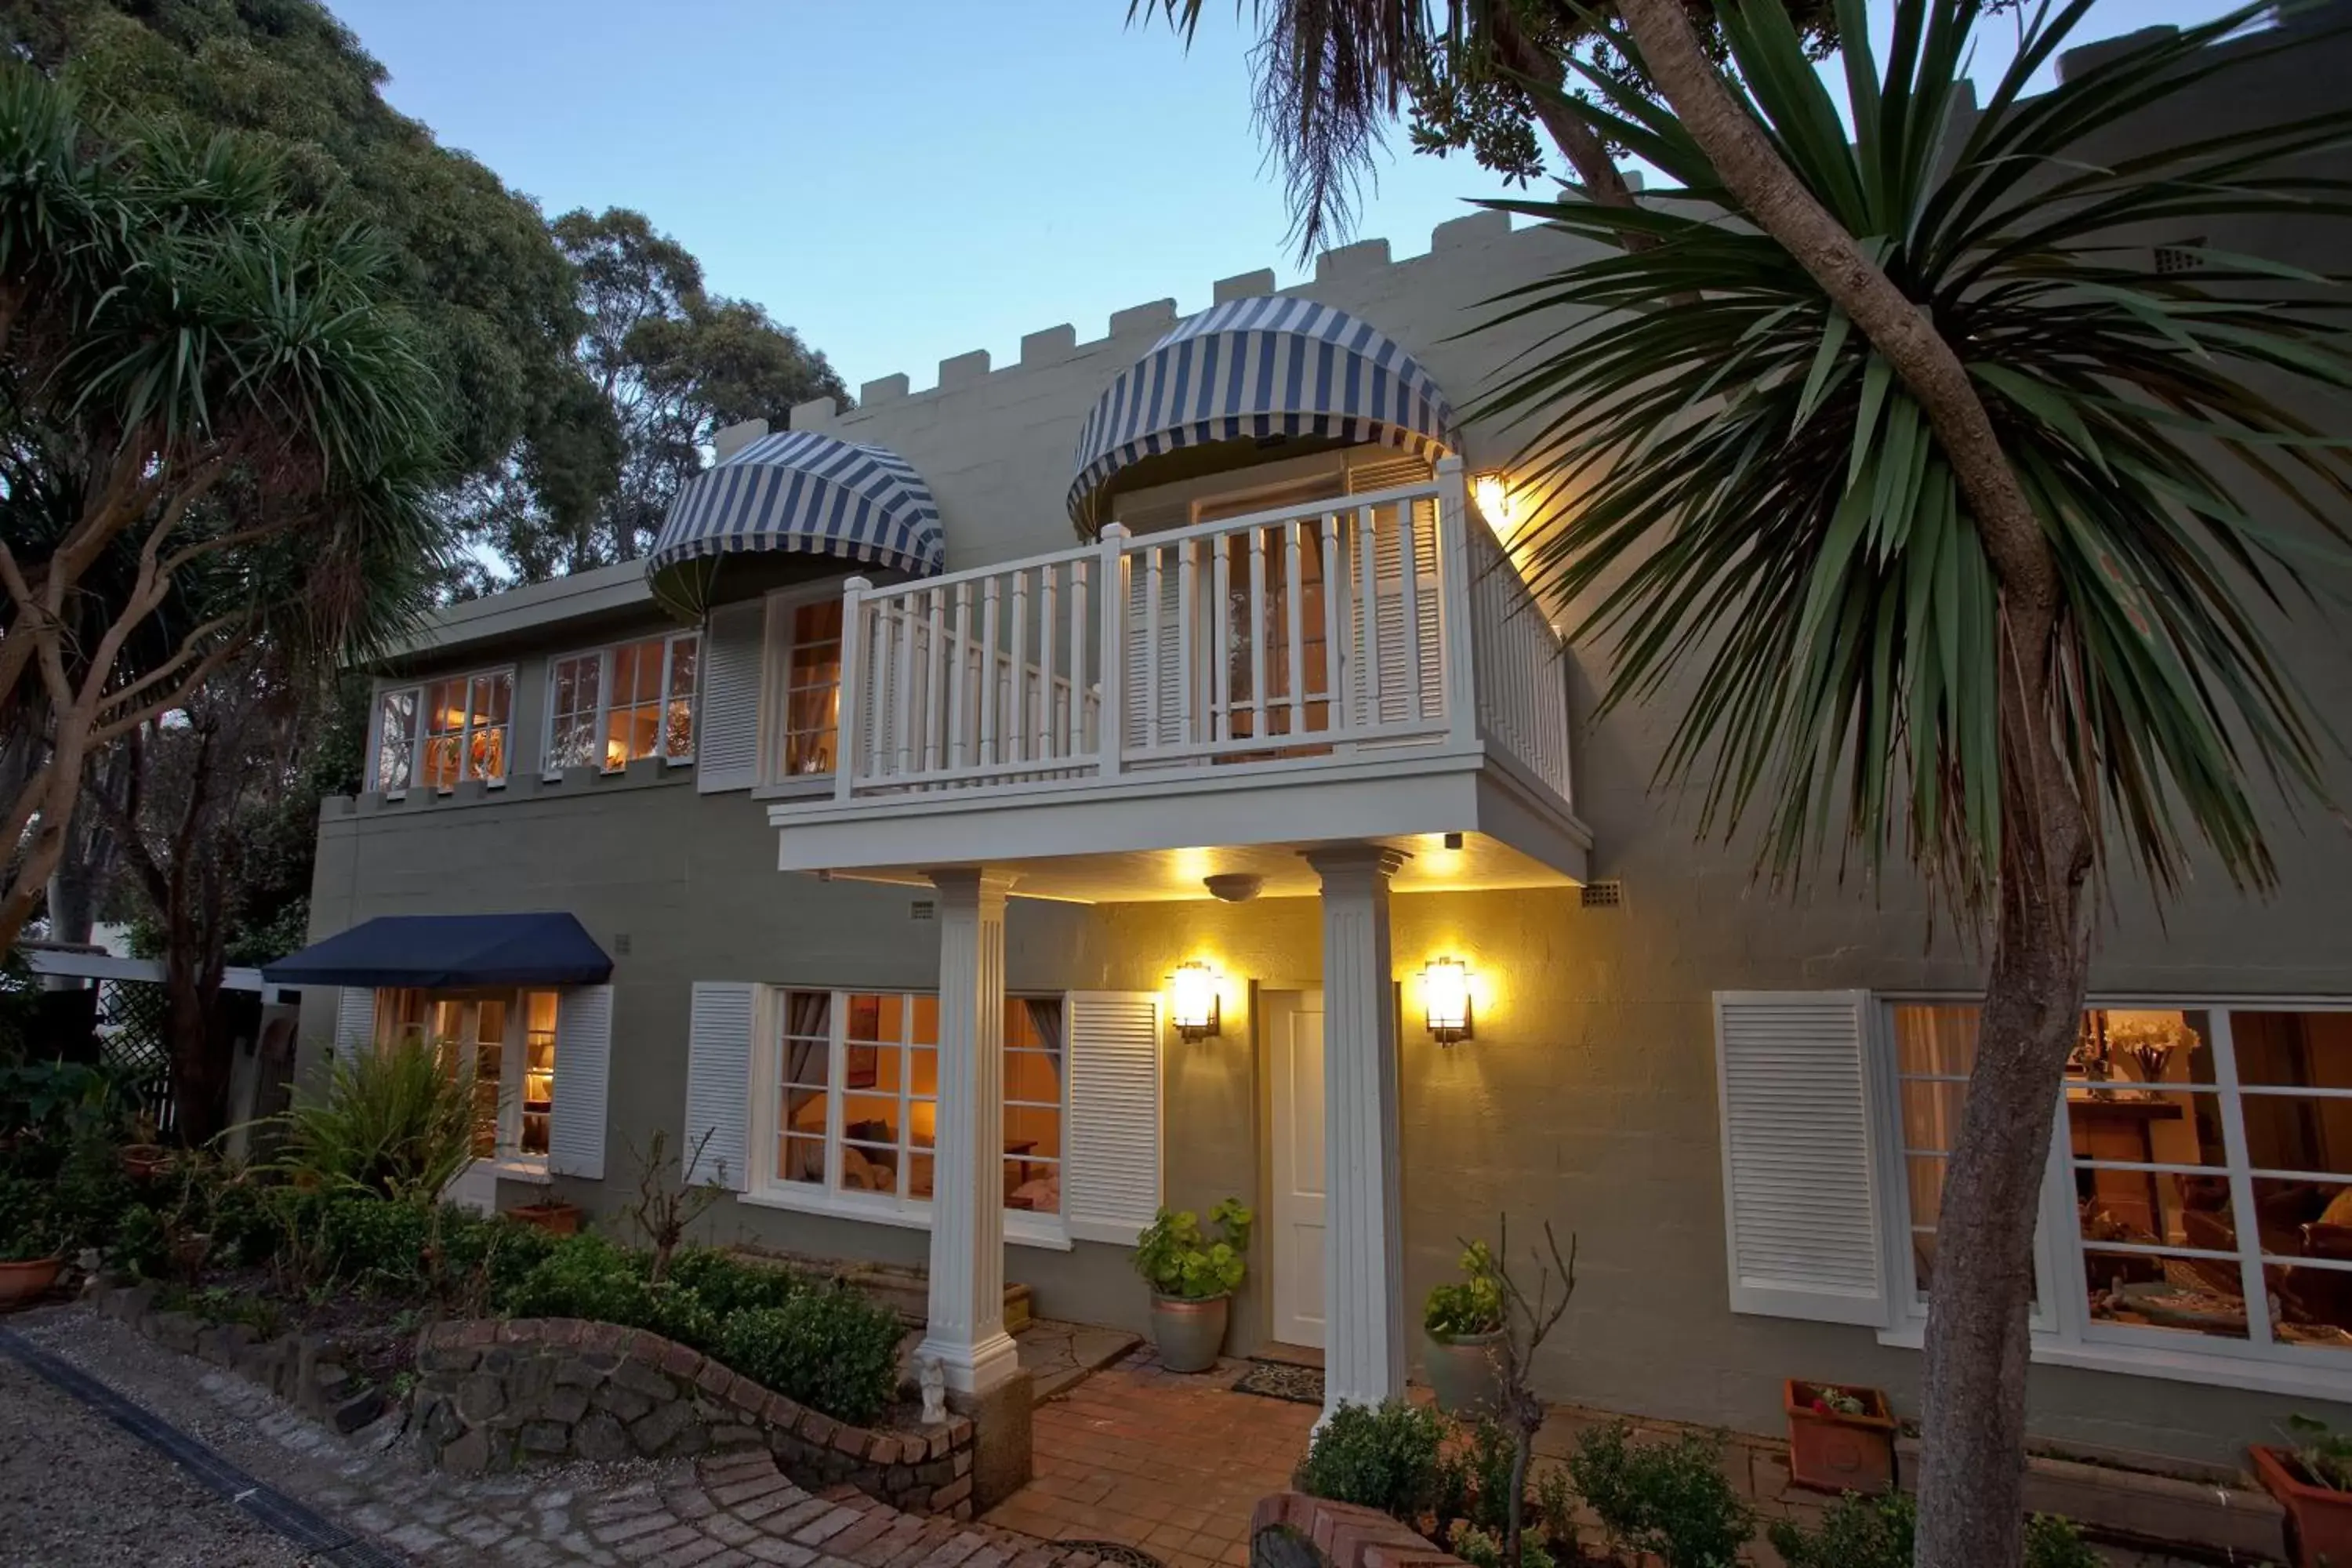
(856,1108)
(501,1046)
(812,689)
(2206,1159)
(610,707)
(444,732)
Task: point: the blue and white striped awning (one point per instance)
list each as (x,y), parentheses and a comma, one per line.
(797,490)
(1252,368)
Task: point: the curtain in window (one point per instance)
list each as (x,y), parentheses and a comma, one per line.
(1046,1017)
(810,1015)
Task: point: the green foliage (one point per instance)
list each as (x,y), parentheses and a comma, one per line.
(140,1245)
(44,1101)
(1474,1493)
(1471,1306)
(394,1122)
(1179,1259)
(91,1192)
(2322,1452)
(1670,1499)
(365,1241)
(584,1276)
(28,1220)
(1384,1456)
(828,1347)
(1484,1549)
(219,1304)
(1754,510)
(1876,1533)
(727,1284)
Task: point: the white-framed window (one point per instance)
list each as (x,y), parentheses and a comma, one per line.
(502,1044)
(2197,1209)
(609,706)
(846,1090)
(436,734)
(811,686)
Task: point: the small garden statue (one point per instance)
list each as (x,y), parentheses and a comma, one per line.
(932,1374)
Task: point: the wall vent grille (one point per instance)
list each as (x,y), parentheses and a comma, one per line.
(923,910)
(1603,895)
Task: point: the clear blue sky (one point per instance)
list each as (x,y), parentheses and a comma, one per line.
(907,182)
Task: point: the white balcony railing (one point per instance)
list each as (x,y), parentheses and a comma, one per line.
(1338,629)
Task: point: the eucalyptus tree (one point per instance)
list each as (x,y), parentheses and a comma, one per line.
(216,436)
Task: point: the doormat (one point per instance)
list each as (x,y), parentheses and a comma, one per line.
(1282,1380)
(1112,1551)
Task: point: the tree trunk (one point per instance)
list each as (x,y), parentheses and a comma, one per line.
(199,1047)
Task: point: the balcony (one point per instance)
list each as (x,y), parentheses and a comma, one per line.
(1371,666)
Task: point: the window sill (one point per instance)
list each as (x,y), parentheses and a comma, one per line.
(800,786)
(2217,1369)
(1021,1229)
(520,1170)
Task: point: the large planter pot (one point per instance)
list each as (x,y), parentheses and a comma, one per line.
(27,1282)
(142,1160)
(556,1219)
(2319,1521)
(1831,1451)
(1189,1333)
(1466,1373)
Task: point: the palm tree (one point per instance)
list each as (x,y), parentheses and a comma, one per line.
(1951,534)
(214,434)
(1926,495)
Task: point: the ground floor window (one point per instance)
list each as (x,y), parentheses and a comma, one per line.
(2200,1197)
(501,1043)
(855,1096)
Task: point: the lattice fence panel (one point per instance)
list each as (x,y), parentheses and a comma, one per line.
(133,1018)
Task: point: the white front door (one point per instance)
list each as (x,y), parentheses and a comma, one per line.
(1295,1049)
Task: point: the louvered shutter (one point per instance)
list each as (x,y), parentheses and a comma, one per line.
(1111,1180)
(1389,541)
(1144,696)
(727,719)
(354,1019)
(1793,1082)
(717,1081)
(584,1057)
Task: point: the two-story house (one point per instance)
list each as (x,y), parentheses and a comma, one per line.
(1138,774)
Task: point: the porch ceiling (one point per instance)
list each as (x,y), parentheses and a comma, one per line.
(1168,875)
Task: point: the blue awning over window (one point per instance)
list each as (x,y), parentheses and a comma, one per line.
(448,953)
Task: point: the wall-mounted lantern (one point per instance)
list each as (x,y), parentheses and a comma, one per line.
(1491,492)
(1192,1002)
(1445,995)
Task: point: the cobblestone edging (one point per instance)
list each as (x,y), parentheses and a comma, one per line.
(496,1396)
(300,1368)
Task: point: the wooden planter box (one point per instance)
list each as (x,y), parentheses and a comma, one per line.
(2319,1519)
(1833,1452)
(556,1219)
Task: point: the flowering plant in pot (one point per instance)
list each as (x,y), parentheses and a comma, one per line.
(1464,1321)
(2312,1479)
(1192,1278)
(30,1253)
(1841,1439)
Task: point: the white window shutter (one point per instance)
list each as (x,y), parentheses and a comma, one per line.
(727,717)
(354,1019)
(583,1061)
(719,1081)
(1111,1185)
(1800,1211)
(1166,695)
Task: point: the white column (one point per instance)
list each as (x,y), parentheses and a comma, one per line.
(966,1330)
(1363,1243)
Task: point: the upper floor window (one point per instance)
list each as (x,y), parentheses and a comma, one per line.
(443,731)
(812,688)
(610,707)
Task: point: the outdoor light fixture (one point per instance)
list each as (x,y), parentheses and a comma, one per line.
(1445,993)
(1492,495)
(1193,1000)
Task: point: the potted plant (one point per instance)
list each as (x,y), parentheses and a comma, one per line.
(1464,1322)
(2312,1480)
(1192,1281)
(30,1257)
(1840,1439)
(143,1157)
(551,1215)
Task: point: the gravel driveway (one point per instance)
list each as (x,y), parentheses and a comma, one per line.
(78,1491)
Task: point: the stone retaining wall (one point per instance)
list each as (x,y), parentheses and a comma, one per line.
(494,1395)
(300,1368)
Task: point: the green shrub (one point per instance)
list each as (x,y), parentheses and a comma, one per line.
(1178,1259)
(91,1192)
(1384,1457)
(1484,1549)
(1670,1499)
(831,1348)
(245,1228)
(139,1245)
(1473,1305)
(29,1219)
(368,1242)
(1876,1533)
(584,1276)
(394,1122)
(1473,1494)
(729,1284)
(487,1260)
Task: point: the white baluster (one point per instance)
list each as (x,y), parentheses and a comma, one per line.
(1408,559)
(1454,601)
(1257,637)
(849,696)
(1188,644)
(1017,705)
(1220,646)
(1151,629)
(956,700)
(1335,588)
(1081,570)
(1368,682)
(987,692)
(1049,585)
(1294,594)
(935,670)
(1110,715)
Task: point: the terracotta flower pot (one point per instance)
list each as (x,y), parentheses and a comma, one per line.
(1465,1373)
(28,1281)
(145,1160)
(556,1219)
(1831,1451)
(1189,1333)
(2319,1519)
